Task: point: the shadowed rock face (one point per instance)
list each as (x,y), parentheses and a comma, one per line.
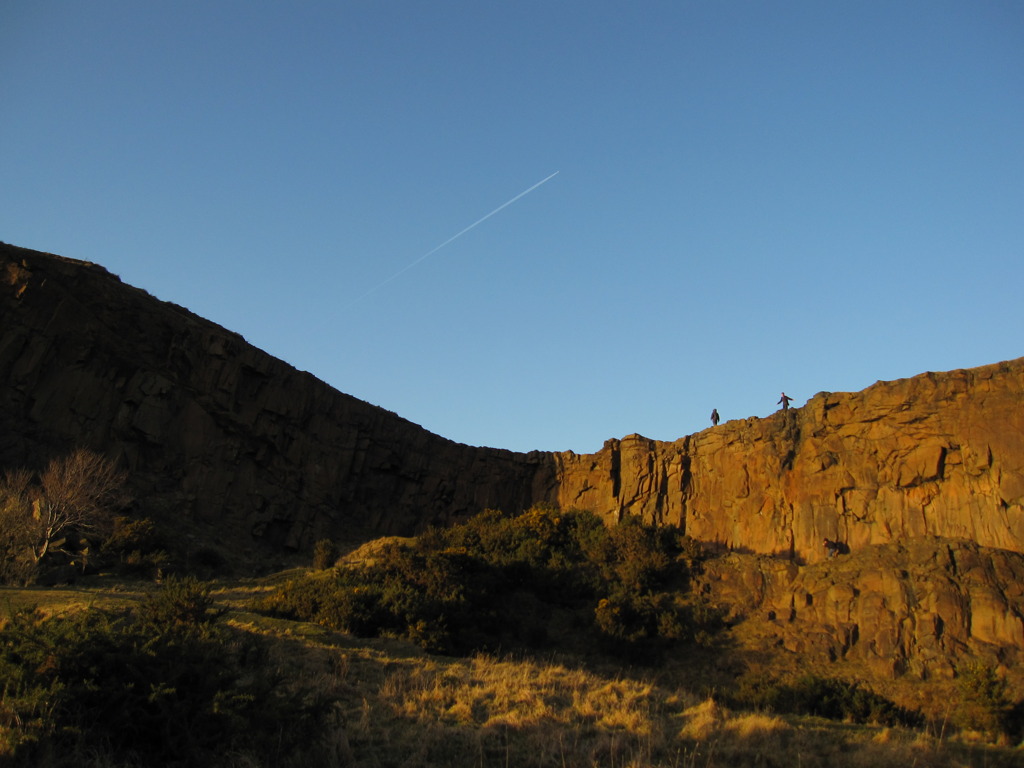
(214,430)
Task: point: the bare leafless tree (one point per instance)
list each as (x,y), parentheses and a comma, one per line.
(79,492)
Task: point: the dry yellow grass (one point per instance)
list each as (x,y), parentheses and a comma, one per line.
(401,707)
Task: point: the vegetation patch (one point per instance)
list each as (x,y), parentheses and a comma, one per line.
(828,697)
(542,580)
(166,684)
(329,699)
(984,704)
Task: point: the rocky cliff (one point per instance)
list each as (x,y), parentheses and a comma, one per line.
(917,607)
(934,455)
(921,480)
(214,431)
(220,432)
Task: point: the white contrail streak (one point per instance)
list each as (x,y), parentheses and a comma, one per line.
(456,236)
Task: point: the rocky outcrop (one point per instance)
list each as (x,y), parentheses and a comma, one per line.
(933,455)
(915,607)
(213,431)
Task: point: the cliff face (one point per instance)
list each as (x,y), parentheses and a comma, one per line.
(222,432)
(937,454)
(916,607)
(212,429)
(921,480)
(216,429)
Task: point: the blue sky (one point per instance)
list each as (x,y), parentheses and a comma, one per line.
(751,196)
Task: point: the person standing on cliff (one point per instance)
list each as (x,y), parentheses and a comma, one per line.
(785,400)
(714,417)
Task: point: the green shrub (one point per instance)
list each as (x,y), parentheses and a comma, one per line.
(324,554)
(166,687)
(299,598)
(502,582)
(406,593)
(643,625)
(132,535)
(823,697)
(206,561)
(182,602)
(136,548)
(984,704)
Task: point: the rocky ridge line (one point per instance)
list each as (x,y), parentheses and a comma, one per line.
(933,455)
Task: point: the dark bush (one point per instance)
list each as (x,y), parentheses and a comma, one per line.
(300,598)
(324,554)
(504,582)
(206,562)
(823,697)
(136,548)
(168,687)
(133,535)
(182,602)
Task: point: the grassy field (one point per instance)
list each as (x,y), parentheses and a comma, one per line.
(399,706)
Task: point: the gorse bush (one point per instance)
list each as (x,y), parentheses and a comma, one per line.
(426,596)
(324,554)
(166,686)
(182,602)
(823,697)
(130,535)
(542,579)
(136,548)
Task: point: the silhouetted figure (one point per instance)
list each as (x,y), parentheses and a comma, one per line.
(831,548)
(714,417)
(785,400)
